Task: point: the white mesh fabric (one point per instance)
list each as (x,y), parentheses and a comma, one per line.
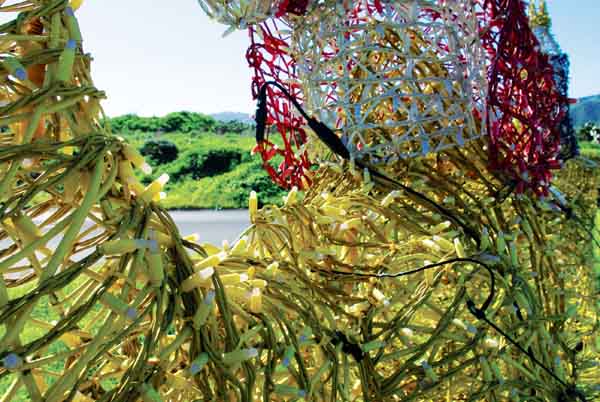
(398,82)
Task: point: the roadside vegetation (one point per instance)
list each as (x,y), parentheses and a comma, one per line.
(208,162)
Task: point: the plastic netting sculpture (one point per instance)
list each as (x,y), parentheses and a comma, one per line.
(436,276)
(541,24)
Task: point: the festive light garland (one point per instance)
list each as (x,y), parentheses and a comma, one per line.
(428,280)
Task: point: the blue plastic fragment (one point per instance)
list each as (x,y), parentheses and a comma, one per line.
(21,74)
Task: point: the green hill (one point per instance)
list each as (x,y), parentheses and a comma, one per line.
(586,109)
(208,161)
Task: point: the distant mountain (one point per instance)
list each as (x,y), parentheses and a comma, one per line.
(586,109)
(233,116)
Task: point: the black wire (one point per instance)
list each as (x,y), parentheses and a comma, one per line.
(528,353)
(325,133)
(348,347)
(479,313)
(487,302)
(447,213)
(336,145)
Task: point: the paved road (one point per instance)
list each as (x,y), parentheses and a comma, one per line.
(212,226)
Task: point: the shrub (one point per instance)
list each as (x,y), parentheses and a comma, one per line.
(160,152)
(198,164)
(186,122)
(234,126)
(132,122)
(229,190)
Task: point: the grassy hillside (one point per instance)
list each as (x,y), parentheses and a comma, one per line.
(586,109)
(208,161)
(589,149)
(210,170)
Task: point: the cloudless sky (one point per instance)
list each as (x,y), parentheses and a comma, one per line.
(154,57)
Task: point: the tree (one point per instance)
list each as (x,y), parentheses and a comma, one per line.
(590,132)
(132,122)
(186,122)
(196,164)
(160,152)
(233,126)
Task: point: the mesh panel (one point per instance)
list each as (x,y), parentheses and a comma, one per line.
(397,80)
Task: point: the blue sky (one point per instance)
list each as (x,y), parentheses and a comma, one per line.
(576,25)
(154,57)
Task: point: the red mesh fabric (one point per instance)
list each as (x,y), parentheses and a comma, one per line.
(524,105)
(269,58)
(297,7)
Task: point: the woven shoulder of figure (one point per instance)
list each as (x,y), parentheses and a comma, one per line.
(241,14)
(396,79)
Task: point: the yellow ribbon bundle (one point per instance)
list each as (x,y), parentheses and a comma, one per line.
(361,288)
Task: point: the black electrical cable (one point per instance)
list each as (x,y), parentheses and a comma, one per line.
(325,133)
(336,145)
(487,302)
(479,313)
(348,347)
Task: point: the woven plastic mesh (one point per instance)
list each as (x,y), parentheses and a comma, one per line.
(402,79)
(560,64)
(397,79)
(239,15)
(526,108)
(270,60)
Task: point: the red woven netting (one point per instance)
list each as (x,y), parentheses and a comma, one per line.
(269,57)
(524,105)
(297,7)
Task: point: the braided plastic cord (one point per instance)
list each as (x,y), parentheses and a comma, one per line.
(560,63)
(269,57)
(238,15)
(397,79)
(524,104)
